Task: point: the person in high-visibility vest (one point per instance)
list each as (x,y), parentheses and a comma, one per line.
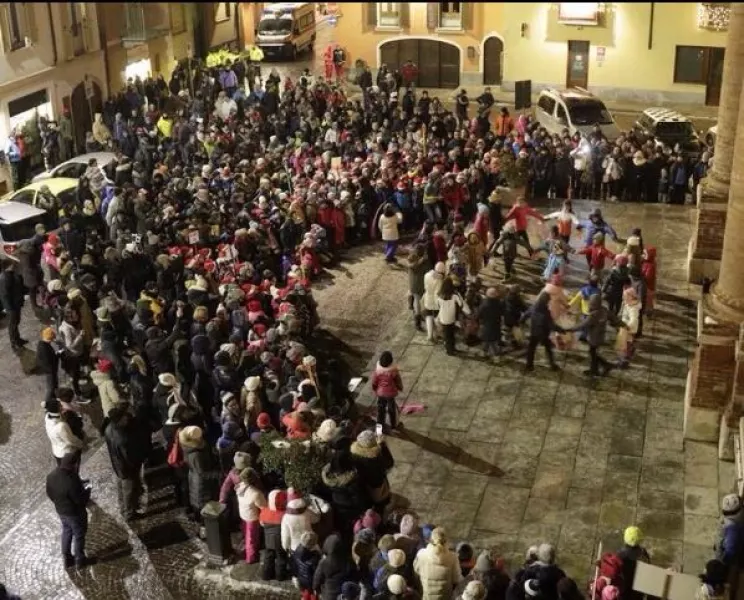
(255,55)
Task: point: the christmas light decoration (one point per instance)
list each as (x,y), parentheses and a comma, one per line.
(714,16)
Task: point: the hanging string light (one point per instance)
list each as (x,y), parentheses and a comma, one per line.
(713,16)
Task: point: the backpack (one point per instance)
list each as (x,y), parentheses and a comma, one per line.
(175,456)
(610,573)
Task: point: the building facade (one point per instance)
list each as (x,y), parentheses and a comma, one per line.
(651,52)
(50,59)
(145,38)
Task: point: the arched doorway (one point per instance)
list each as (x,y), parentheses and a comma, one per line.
(492,52)
(438,62)
(82,111)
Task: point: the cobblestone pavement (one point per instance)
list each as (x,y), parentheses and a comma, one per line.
(498,457)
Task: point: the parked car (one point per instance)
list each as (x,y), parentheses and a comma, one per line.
(711,135)
(75,167)
(669,128)
(574,109)
(59,186)
(18,222)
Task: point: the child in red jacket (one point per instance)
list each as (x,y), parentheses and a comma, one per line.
(387,384)
(596,254)
(648,271)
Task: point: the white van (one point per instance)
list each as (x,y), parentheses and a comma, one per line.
(575,109)
(286,29)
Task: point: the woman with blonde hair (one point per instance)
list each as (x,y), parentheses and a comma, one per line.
(437,567)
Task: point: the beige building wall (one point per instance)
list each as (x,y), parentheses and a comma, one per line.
(535,44)
(50,59)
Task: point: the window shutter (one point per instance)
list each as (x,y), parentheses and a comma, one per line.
(371,17)
(432,15)
(405,15)
(467,9)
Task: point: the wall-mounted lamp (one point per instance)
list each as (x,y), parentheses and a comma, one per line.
(523,29)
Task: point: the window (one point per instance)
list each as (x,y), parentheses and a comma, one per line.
(177,18)
(223,12)
(546,104)
(691,64)
(388,14)
(588,112)
(561,115)
(25,197)
(14,25)
(450,15)
(76,28)
(73,170)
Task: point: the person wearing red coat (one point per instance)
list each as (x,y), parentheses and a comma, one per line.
(648,272)
(597,254)
(324,218)
(440,246)
(338,223)
(409,71)
(482,224)
(520,211)
(328,62)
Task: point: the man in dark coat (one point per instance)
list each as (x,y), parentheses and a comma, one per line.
(128,443)
(595,327)
(68,494)
(11,298)
(490,315)
(541,326)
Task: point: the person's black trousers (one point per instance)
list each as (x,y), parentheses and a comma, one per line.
(595,360)
(14,321)
(74,529)
(387,405)
(449,338)
(532,345)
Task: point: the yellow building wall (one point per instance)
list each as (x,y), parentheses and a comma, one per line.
(628,67)
(361,42)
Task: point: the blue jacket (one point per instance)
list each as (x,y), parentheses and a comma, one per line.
(591,228)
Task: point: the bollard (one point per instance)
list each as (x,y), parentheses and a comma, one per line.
(219,547)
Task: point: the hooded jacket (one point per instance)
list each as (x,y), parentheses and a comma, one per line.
(439,572)
(386,381)
(107,391)
(334,569)
(297,520)
(347,494)
(250,501)
(304,564)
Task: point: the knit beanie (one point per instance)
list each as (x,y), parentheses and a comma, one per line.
(385,543)
(730,505)
(483,563)
(632,536)
(242,460)
(396,558)
(350,591)
(309,539)
(367,439)
(475,590)
(396,584)
(610,592)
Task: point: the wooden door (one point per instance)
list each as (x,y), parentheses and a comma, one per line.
(715,74)
(492,51)
(429,63)
(82,110)
(577,68)
(389,55)
(449,66)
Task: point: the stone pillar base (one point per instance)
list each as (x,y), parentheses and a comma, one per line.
(700,424)
(710,381)
(706,245)
(700,268)
(726,440)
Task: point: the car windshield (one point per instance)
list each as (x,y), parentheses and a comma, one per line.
(588,112)
(278,26)
(676,129)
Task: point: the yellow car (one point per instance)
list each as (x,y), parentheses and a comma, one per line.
(59,186)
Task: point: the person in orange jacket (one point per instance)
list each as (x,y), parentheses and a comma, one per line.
(328,62)
(504,123)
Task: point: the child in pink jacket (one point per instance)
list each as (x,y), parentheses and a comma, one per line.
(387,384)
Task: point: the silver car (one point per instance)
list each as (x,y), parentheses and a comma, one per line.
(75,167)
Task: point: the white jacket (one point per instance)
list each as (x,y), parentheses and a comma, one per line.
(439,573)
(107,391)
(448,309)
(250,501)
(389,227)
(432,285)
(294,525)
(61,436)
(630,314)
(72,338)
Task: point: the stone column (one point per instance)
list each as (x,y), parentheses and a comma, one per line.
(705,247)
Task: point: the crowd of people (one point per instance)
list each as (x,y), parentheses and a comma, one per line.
(177,294)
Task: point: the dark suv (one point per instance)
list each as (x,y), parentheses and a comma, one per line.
(669,128)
